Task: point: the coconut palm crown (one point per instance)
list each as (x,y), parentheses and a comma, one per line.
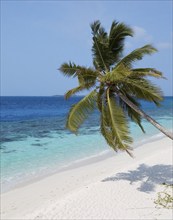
(116,86)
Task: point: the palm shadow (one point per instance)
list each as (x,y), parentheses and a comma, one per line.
(147,176)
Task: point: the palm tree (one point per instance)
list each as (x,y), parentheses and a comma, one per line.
(117,86)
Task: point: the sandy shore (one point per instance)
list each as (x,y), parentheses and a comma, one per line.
(114,188)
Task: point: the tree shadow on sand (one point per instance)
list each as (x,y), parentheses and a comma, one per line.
(147,176)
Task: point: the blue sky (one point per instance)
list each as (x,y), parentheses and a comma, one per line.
(38,36)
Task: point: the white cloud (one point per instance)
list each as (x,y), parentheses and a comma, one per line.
(140,38)
(164,45)
(141,34)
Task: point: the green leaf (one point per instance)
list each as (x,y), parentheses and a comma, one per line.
(83,85)
(137,55)
(107,49)
(73,91)
(143,72)
(143,89)
(80,111)
(105,128)
(119,124)
(118,74)
(100,53)
(117,35)
(73,70)
(69,69)
(100,96)
(100,46)
(95,26)
(133,115)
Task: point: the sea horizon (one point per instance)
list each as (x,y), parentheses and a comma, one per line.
(54,95)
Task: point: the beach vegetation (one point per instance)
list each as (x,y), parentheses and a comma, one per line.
(165,197)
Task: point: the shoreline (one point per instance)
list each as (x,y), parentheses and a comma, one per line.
(76,164)
(80,163)
(40,198)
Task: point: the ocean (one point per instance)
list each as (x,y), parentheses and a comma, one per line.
(35,143)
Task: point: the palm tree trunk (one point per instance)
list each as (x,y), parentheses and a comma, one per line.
(144,115)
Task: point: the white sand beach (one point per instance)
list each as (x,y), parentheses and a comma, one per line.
(117,187)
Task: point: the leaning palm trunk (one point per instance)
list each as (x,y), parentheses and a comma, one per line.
(144,115)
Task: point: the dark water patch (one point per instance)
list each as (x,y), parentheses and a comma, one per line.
(8,139)
(9,151)
(41,136)
(60,129)
(39,145)
(88,131)
(45,132)
(2,147)
(33,125)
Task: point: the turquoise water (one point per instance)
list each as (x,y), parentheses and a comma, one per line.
(34,141)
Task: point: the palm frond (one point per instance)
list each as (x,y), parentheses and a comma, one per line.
(83,85)
(107,131)
(107,49)
(80,111)
(95,26)
(133,115)
(100,52)
(117,35)
(73,70)
(105,128)
(68,69)
(143,89)
(100,48)
(143,72)
(87,78)
(137,55)
(119,73)
(100,96)
(73,91)
(119,124)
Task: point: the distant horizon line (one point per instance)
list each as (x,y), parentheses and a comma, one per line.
(51,95)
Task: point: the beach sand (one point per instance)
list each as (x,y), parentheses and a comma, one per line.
(117,187)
